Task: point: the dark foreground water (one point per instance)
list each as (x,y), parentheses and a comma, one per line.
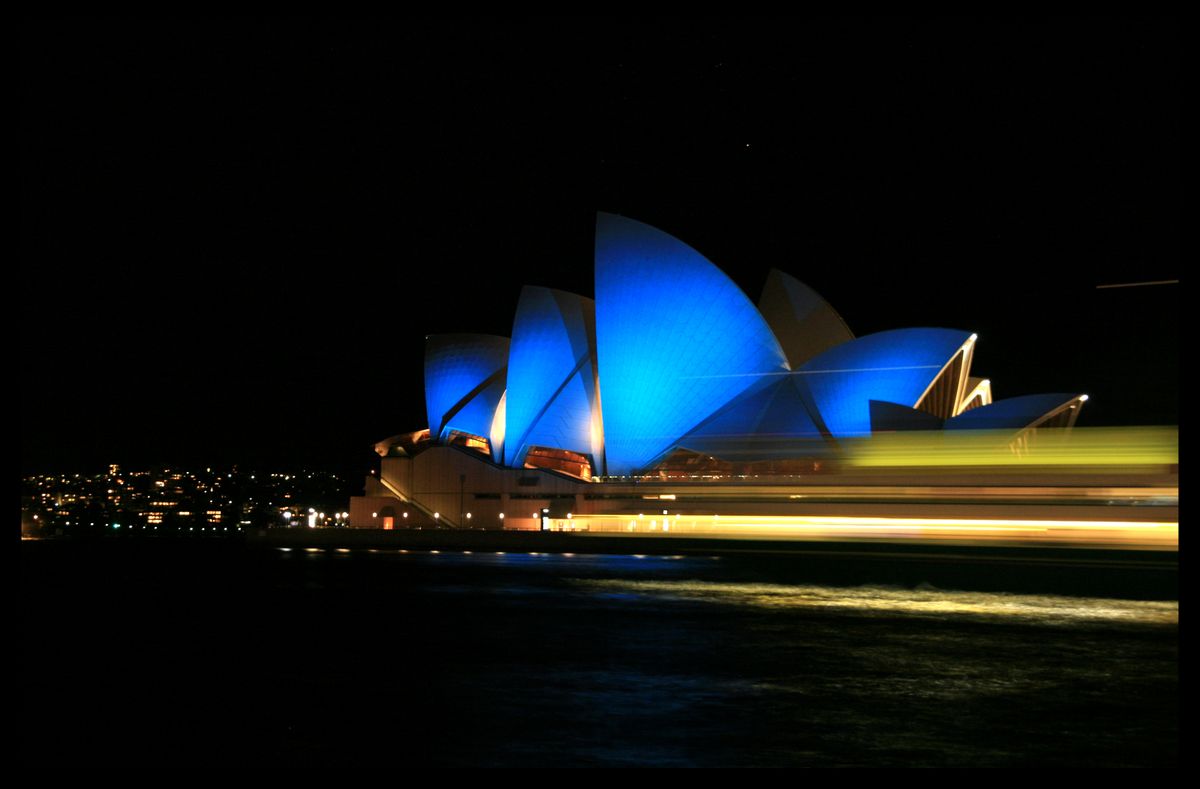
(223,655)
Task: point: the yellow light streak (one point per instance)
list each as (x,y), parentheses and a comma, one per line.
(1158,535)
(1079,448)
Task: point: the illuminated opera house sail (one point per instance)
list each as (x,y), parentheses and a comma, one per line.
(672,355)
(671,367)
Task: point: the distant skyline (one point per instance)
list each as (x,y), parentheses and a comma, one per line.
(235,235)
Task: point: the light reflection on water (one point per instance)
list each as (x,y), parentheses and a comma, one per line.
(550,561)
(595,660)
(681,579)
(874,600)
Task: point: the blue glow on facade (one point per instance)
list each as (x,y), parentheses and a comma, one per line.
(464,380)
(1012,413)
(551,400)
(770,419)
(672,355)
(894,366)
(676,340)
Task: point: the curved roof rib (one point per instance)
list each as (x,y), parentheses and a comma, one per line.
(898,366)
(945,393)
(676,340)
(804,323)
(978,393)
(551,398)
(464,381)
(1019,413)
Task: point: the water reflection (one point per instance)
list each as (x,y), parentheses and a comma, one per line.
(875,600)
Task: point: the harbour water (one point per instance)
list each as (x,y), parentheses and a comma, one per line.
(227,655)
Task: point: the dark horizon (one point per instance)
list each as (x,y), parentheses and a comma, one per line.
(236,235)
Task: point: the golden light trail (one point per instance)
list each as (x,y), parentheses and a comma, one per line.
(1150,535)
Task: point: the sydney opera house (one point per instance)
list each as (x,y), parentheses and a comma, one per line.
(673,394)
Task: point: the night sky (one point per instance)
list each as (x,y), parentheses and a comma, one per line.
(235,235)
